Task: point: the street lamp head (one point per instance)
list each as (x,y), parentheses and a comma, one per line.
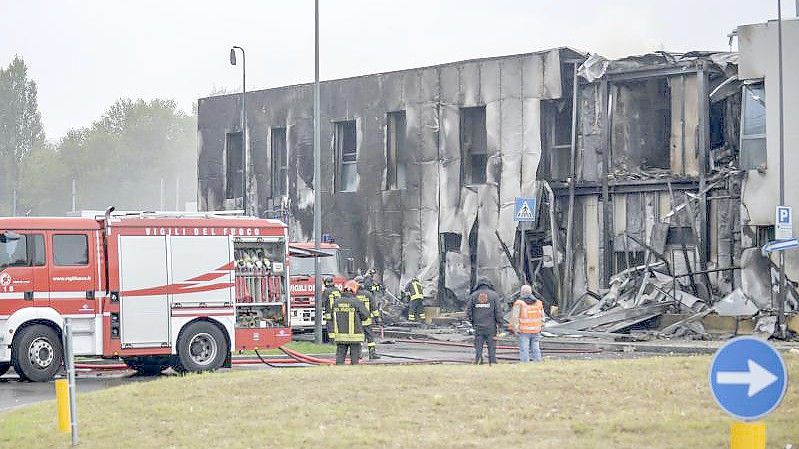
(233,56)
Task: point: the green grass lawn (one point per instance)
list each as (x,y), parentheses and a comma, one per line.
(642,403)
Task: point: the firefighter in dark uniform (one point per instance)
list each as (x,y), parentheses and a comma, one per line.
(368,301)
(329,295)
(348,316)
(415,294)
(371,284)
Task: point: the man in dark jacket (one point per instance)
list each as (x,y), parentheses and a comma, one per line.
(485,313)
(348,316)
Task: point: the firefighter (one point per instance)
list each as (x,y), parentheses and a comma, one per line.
(329,296)
(368,301)
(371,283)
(348,315)
(415,294)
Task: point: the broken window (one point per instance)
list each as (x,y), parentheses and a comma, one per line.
(753,127)
(395,150)
(234,156)
(474,145)
(346,156)
(279,162)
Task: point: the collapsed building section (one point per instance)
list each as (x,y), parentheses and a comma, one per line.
(654,175)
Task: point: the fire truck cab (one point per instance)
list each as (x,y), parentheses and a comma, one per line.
(155,289)
(303,284)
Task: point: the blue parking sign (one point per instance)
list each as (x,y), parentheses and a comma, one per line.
(748,378)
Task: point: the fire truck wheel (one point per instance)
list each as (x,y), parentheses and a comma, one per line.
(147,366)
(201,347)
(4,367)
(37,353)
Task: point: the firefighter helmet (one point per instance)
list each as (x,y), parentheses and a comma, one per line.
(351,286)
(328,280)
(359,280)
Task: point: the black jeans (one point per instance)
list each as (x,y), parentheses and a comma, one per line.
(488,339)
(354,350)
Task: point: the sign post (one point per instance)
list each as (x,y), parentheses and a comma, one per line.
(748,380)
(69,364)
(524,212)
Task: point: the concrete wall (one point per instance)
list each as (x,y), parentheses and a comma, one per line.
(758,60)
(397,231)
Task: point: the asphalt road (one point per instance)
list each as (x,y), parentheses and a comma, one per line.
(14,393)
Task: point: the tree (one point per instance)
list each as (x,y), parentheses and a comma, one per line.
(20,126)
(119,160)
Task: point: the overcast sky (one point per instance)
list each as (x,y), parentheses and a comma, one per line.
(86,54)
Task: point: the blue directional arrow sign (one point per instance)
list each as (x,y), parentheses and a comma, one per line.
(780,245)
(748,378)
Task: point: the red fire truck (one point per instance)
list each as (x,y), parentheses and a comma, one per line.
(155,289)
(303,285)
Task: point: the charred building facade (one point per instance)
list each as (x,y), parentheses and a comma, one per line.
(653,159)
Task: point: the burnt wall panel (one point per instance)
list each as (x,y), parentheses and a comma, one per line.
(399,231)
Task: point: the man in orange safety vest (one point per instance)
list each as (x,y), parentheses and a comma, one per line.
(526,321)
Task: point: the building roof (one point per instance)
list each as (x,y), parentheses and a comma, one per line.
(569,53)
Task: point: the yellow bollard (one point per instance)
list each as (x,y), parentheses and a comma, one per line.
(62,404)
(748,435)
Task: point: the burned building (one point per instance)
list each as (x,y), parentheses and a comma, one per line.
(661,159)
(420,167)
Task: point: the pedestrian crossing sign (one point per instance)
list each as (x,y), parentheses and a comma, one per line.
(524,210)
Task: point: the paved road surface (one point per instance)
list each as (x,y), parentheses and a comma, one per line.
(14,393)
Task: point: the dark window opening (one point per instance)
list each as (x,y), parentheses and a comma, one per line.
(279,162)
(395,150)
(234,155)
(628,259)
(474,145)
(753,127)
(70,250)
(346,144)
(641,134)
(717,124)
(681,235)
(764,234)
(557,122)
(451,241)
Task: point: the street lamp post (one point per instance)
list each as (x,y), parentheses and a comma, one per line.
(317,182)
(243,122)
(782,292)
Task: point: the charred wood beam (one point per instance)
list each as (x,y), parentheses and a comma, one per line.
(607,204)
(569,287)
(596,188)
(510,257)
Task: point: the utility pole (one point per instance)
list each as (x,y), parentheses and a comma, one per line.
(317,182)
(163,196)
(177,193)
(74,195)
(781,305)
